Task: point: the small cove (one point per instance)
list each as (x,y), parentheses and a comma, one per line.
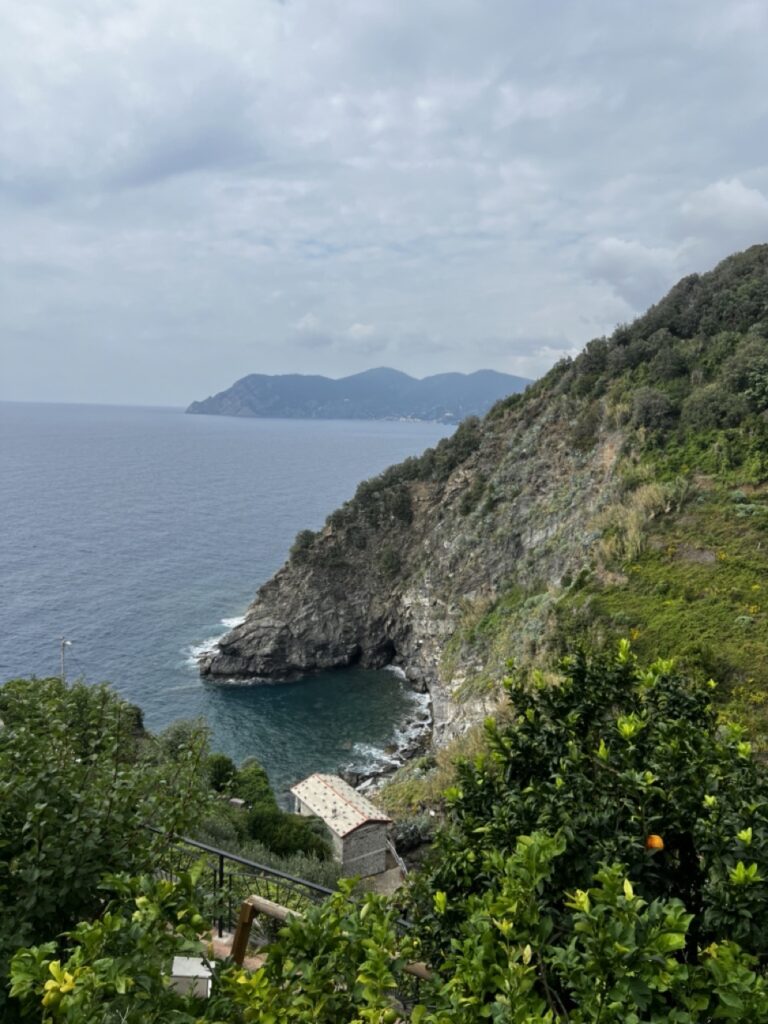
(142,533)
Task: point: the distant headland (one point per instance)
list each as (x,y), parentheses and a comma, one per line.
(379,394)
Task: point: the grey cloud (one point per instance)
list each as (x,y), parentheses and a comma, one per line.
(185,149)
(524,346)
(639,273)
(479,185)
(728,213)
(313,340)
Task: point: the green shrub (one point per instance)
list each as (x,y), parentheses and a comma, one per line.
(302,544)
(221,772)
(76,787)
(472,496)
(652,409)
(286,834)
(585,430)
(606,758)
(711,407)
(115,967)
(388,561)
(251,783)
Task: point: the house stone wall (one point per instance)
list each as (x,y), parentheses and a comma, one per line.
(362,852)
(365,850)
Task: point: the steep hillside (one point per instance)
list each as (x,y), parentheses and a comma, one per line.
(374,394)
(625,492)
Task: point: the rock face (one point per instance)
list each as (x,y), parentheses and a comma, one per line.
(393,571)
(450,563)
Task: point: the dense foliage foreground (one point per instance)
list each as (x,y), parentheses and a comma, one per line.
(605,861)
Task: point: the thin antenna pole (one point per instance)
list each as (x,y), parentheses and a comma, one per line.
(64,645)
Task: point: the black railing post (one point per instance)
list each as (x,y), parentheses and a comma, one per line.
(221,894)
(215,875)
(230,923)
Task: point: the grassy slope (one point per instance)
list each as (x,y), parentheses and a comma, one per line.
(698,590)
(681,565)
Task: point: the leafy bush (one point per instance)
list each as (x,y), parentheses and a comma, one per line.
(275,829)
(585,430)
(76,786)
(472,495)
(651,409)
(221,772)
(114,968)
(670,362)
(251,783)
(711,407)
(388,561)
(611,756)
(302,544)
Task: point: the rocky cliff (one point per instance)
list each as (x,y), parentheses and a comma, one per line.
(485,547)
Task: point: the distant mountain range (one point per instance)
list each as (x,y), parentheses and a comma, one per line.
(380,394)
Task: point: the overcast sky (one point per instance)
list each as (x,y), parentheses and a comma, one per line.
(193,190)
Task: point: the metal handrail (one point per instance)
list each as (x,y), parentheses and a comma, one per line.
(257,868)
(222,880)
(233,876)
(226,896)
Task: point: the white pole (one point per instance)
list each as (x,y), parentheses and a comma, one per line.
(64,644)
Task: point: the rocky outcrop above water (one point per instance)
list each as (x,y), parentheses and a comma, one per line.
(450,563)
(394,571)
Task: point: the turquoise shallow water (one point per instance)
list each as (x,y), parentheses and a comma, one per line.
(140,533)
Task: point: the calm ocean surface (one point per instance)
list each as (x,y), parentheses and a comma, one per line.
(141,533)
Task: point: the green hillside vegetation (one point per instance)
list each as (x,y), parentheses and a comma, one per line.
(604,863)
(80,778)
(603,852)
(679,561)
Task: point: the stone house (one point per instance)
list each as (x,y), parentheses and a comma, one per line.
(358,828)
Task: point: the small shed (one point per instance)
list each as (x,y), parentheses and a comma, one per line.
(358,828)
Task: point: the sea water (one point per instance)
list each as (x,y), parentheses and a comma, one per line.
(141,535)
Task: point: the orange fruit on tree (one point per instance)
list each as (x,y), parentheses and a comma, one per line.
(654,842)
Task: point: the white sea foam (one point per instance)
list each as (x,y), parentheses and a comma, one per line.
(368,759)
(395,670)
(195,652)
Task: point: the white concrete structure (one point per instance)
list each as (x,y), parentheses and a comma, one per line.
(358,828)
(191,976)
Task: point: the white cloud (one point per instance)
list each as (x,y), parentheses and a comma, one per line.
(361,330)
(548,103)
(309,185)
(639,273)
(307,324)
(729,207)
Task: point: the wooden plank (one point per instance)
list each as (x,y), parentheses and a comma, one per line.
(418,970)
(276,910)
(242,932)
(258,905)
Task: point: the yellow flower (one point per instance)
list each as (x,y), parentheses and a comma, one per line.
(57,986)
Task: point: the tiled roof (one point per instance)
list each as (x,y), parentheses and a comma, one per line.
(340,806)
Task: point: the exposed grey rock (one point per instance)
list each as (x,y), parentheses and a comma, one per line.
(393,571)
(450,564)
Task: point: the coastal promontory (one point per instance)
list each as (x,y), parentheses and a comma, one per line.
(379,394)
(622,494)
